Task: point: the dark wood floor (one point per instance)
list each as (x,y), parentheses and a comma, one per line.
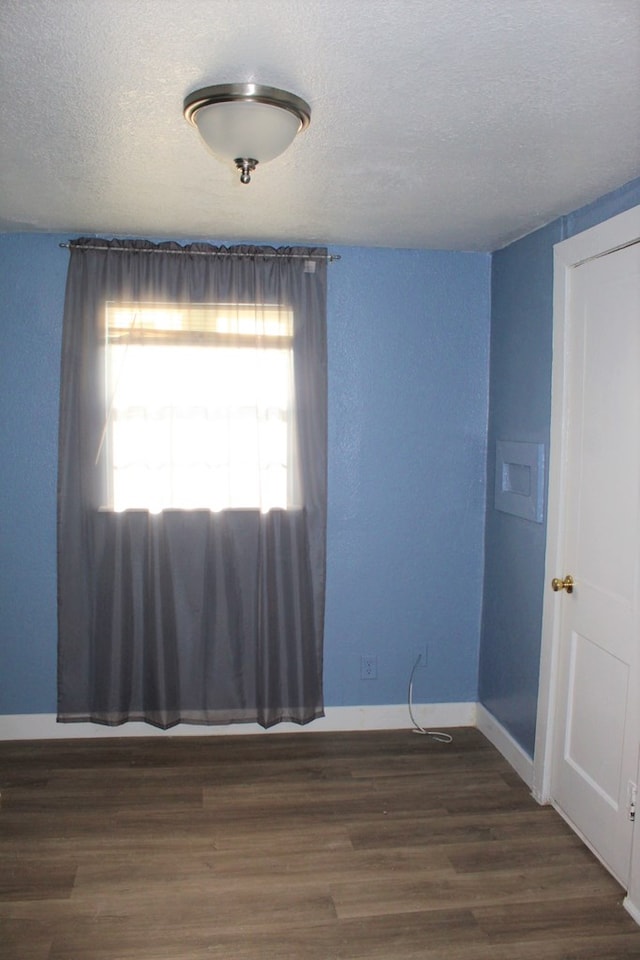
(292,847)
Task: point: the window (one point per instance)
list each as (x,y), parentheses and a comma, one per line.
(199,407)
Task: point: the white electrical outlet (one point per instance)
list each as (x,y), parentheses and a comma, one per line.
(368,667)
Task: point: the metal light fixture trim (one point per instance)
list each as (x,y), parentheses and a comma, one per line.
(261,134)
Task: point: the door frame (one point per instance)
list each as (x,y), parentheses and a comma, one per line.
(613,234)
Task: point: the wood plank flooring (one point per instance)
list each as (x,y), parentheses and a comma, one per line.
(305,846)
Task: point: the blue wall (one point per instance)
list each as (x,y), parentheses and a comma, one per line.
(408,368)
(32,279)
(408,349)
(408,376)
(520,409)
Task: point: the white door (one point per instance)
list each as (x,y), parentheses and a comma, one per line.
(596,725)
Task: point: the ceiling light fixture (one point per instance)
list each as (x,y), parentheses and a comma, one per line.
(246,122)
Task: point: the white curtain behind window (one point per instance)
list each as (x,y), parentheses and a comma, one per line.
(192,484)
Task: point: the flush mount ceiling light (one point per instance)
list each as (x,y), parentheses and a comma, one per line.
(246,122)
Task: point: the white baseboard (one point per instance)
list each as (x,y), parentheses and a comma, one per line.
(505,744)
(632,909)
(43,726)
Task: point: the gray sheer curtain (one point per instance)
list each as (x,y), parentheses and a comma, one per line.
(188,616)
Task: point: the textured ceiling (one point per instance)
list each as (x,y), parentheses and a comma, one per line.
(454,124)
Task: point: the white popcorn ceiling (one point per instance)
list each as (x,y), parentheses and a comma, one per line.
(451,124)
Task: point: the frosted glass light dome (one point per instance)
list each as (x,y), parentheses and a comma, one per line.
(247,123)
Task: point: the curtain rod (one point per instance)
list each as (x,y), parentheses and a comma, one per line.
(329,257)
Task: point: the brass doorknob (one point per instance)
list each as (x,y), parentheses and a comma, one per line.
(566,584)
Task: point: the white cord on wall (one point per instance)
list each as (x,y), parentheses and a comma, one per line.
(434,734)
